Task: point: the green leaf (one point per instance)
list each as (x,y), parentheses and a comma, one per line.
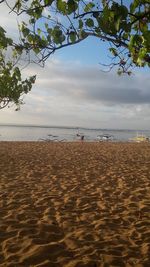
(126,26)
(125,36)
(146,36)
(117,24)
(136,40)
(113,51)
(32,20)
(89,23)
(19,49)
(58,36)
(48,2)
(89,6)
(25,31)
(123,11)
(134,5)
(80,24)
(72,36)
(49,30)
(36,50)
(72,6)
(39,31)
(30,38)
(2,31)
(61,6)
(46,26)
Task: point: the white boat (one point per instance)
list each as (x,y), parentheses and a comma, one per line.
(105,137)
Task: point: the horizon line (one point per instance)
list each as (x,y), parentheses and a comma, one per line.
(70,127)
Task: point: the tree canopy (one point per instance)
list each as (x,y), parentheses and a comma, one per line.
(12,87)
(51,25)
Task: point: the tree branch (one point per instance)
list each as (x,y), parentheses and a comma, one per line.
(141,16)
(61,46)
(88,13)
(109,39)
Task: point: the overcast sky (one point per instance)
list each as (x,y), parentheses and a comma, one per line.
(71,90)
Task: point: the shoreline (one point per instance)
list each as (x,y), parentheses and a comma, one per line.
(74,204)
(77,141)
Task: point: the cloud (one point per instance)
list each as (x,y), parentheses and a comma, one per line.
(69,96)
(75,95)
(89,84)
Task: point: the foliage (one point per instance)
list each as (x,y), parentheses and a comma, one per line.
(124,25)
(12,87)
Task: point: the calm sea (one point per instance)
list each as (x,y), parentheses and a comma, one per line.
(38,133)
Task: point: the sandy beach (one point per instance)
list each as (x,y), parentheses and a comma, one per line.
(74,204)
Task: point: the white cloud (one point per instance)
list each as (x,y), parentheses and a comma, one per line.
(73,95)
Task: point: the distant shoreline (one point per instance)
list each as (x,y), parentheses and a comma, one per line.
(72,127)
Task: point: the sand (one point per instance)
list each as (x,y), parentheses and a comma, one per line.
(74,204)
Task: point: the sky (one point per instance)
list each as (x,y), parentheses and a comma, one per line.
(72,90)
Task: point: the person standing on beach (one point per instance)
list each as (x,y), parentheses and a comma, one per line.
(82,137)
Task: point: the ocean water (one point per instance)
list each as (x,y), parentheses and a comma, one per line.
(39,133)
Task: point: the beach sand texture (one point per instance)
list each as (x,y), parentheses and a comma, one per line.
(74,204)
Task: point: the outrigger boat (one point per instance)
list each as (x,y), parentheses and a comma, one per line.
(140,138)
(105,137)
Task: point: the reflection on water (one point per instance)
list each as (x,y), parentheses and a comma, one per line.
(32,133)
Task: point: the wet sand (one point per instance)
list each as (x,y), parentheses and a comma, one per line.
(74,204)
